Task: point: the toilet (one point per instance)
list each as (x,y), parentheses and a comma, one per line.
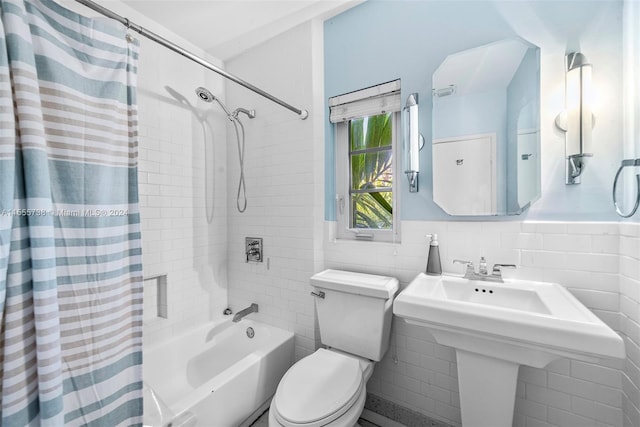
(328,387)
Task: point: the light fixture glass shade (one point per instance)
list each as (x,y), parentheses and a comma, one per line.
(579,114)
(413,142)
(577,119)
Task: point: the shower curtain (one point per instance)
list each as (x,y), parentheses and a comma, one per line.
(70,251)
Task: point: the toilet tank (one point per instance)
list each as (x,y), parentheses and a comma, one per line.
(355,314)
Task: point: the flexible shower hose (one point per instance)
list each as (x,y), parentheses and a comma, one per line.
(242,190)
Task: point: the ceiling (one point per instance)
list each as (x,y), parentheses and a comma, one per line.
(226,28)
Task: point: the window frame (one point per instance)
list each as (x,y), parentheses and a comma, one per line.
(343,186)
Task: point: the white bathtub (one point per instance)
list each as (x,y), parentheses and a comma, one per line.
(215,375)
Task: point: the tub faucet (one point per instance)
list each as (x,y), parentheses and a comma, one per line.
(253,308)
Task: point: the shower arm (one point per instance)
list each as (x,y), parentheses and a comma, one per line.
(250,113)
(303,114)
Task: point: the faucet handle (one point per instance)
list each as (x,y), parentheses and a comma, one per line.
(469,264)
(497,268)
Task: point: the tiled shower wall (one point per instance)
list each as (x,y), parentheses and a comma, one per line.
(181,146)
(283,160)
(582,256)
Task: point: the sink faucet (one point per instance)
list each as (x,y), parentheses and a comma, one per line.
(253,308)
(483,273)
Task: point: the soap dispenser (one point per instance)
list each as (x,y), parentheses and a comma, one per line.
(434,268)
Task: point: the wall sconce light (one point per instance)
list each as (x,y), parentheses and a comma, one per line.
(577,119)
(413,141)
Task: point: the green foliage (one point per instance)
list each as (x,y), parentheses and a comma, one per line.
(371,160)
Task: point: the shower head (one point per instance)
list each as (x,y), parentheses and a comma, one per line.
(207,96)
(204,94)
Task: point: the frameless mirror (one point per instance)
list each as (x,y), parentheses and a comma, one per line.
(486,129)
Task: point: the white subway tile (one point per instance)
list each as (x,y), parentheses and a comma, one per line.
(544,259)
(595,373)
(436,393)
(594,410)
(611,319)
(445,353)
(407,383)
(534,422)
(410,357)
(546,227)
(420,373)
(434,364)
(532,375)
(531,408)
(607,282)
(567,243)
(420,346)
(608,301)
(420,402)
(603,263)
(630,246)
(632,413)
(560,418)
(631,229)
(632,342)
(521,241)
(547,397)
(577,387)
(629,267)
(606,244)
(445,381)
(593,228)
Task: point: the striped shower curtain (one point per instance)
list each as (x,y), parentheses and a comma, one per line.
(70,257)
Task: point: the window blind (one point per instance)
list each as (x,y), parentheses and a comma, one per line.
(380,99)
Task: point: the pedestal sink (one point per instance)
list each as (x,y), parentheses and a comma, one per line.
(495,327)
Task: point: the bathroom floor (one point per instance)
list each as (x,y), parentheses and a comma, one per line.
(263,421)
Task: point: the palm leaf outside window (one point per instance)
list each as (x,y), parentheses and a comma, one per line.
(371,161)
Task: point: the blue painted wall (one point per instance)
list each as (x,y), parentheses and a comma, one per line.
(382,40)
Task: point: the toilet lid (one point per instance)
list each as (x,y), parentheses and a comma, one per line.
(318,386)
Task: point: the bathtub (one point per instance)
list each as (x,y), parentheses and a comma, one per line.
(215,375)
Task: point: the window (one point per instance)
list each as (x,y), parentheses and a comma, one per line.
(366,140)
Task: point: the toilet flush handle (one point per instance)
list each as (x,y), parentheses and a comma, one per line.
(318,294)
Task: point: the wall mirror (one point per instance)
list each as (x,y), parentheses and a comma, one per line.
(486,129)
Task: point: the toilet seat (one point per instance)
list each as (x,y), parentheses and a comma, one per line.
(318,389)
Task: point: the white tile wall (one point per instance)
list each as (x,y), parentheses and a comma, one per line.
(181,146)
(283,164)
(588,258)
(630,319)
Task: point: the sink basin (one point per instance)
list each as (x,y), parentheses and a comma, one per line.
(522,299)
(495,327)
(533,315)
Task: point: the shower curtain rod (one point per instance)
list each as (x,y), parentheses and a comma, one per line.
(174,47)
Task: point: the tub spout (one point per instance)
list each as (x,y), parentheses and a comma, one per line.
(253,308)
